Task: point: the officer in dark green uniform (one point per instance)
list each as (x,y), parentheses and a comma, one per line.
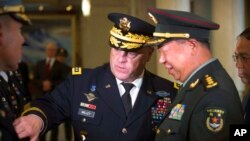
(119,101)
(13,93)
(208,102)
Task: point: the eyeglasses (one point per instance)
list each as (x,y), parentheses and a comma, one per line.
(242,58)
(128,54)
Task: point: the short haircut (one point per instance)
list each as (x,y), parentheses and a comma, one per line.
(245,33)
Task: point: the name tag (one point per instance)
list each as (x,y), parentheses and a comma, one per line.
(86,113)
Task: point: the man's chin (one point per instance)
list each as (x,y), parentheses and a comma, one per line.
(245,81)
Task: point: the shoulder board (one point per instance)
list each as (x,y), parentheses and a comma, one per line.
(77,71)
(210,82)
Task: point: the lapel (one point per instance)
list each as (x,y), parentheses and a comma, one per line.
(145,99)
(108,91)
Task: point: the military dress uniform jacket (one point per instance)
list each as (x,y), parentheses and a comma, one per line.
(92,102)
(204,108)
(13,97)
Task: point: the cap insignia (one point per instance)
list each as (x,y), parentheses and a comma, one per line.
(210,81)
(153,18)
(76,71)
(214,119)
(125,24)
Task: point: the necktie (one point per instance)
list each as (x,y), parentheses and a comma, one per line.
(48,64)
(126,99)
(47,69)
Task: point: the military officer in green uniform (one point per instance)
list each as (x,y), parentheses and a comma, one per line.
(207,103)
(13,93)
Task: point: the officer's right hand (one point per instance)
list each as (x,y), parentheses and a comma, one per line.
(28,126)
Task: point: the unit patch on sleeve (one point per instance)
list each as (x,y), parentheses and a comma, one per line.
(215,119)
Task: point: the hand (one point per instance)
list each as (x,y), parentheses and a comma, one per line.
(28,126)
(47,85)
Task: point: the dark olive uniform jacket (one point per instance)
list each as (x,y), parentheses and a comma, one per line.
(204,108)
(92,102)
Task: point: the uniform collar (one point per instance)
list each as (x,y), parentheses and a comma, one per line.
(200,67)
(4,75)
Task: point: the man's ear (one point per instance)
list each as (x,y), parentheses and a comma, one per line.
(150,52)
(193,44)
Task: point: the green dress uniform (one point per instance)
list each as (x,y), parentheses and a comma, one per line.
(204,108)
(208,101)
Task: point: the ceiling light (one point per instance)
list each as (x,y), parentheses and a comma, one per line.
(69,8)
(86,7)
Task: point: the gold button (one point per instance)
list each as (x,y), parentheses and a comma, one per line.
(158,131)
(84,120)
(124,131)
(169,131)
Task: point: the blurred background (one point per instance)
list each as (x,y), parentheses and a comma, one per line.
(82,28)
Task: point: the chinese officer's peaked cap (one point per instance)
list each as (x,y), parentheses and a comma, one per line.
(129,33)
(179,24)
(15,9)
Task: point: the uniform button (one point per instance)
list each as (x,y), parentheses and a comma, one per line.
(158,131)
(168,131)
(124,131)
(84,120)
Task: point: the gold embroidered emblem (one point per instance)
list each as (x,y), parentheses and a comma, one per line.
(76,71)
(125,24)
(210,82)
(214,121)
(192,85)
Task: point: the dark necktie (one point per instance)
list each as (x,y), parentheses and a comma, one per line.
(48,64)
(47,69)
(126,99)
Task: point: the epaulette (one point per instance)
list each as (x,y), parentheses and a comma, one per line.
(209,81)
(76,71)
